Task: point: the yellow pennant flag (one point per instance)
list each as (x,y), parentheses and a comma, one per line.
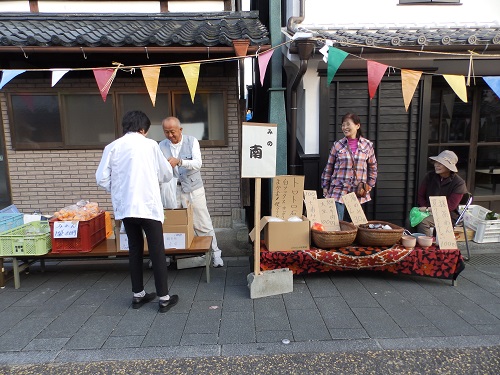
(457,83)
(409,82)
(191,73)
(151,75)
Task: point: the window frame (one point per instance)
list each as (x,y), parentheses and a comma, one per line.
(113,95)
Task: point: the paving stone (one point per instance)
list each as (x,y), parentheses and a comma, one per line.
(46,344)
(493,309)
(348,333)
(69,322)
(447,321)
(406,315)
(93,334)
(13,315)
(299,299)
(413,292)
(237,275)
(274,336)
(120,342)
(321,286)
(488,329)
(20,335)
(9,297)
(474,314)
(237,328)
(270,314)
(422,331)
(378,323)
(336,313)
(200,338)
(237,304)
(354,293)
(166,330)
(57,303)
(487,282)
(136,322)
(204,317)
(36,297)
(236,293)
(308,325)
(209,292)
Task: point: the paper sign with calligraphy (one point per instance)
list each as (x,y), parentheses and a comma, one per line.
(65,229)
(174,240)
(312,207)
(442,221)
(354,208)
(329,215)
(287,199)
(258,150)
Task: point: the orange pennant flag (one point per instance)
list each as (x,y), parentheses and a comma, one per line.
(151,77)
(375,73)
(457,83)
(409,82)
(191,74)
(104,79)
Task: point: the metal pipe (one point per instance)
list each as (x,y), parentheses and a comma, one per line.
(291,25)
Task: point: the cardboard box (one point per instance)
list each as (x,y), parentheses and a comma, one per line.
(459,234)
(179,216)
(287,235)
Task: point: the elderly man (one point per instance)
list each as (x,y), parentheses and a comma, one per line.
(184,155)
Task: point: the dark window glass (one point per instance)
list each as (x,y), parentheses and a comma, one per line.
(35,121)
(489,126)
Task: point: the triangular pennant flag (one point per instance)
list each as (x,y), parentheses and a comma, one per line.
(191,74)
(409,82)
(335,58)
(494,83)
(151,77)
(263,60)
(57,75)
(104,79)
(8,75)
(457,83)
(375,73)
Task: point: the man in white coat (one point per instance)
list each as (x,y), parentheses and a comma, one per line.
(184,155)
(132,169)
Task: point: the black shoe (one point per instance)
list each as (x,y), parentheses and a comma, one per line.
(166,305)
(139,301)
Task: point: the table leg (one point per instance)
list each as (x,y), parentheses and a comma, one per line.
(15,269)
(2,274)
(208,258)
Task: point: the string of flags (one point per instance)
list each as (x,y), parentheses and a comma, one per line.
(334,57)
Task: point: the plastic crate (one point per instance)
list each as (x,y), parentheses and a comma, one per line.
(486,230)
(10,221)
(90,233)
(28,239)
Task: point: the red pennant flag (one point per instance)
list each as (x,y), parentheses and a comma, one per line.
(104,79)
(375,73)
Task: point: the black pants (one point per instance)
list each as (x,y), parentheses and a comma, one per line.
(154,234)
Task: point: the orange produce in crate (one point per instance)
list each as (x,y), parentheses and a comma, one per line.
(318,226)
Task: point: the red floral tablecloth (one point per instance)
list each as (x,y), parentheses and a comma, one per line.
(431,262)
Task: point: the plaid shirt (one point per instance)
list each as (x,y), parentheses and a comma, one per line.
(339,176)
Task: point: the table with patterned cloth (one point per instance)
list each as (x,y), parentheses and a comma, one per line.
(431,262)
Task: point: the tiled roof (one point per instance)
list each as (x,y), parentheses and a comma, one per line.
(408,37)
(131,30)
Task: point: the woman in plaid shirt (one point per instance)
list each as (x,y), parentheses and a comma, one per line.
(351,161)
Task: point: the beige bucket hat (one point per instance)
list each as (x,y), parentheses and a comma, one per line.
(448,158)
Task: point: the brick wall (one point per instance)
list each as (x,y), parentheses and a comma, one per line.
(48,180)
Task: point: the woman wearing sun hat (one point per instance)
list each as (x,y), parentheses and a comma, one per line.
(443,181)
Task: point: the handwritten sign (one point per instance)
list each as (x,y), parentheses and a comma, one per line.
(174,240)
(287,199)
(312,207)
(66,229)
(258,149)
(442,221)
(329,215)
(354,208)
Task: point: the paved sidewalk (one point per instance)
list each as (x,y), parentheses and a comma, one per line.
(79,311)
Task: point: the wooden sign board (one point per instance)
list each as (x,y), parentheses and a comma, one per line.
(258,150)
(354,208)
(442,221)
(312,207)
(329,215)
(287,198)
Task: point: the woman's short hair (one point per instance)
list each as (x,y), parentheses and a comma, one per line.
(135,121)
(354,118)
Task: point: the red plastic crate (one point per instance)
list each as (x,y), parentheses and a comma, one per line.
(90,233)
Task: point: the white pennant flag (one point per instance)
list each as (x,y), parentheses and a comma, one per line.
(57,75)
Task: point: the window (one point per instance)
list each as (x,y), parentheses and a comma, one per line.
(79,120)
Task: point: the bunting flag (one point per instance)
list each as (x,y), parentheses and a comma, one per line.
(335,58)
(263,59)
(375,73)
(104,79)
(8,75)
(191,74)
(457,83)
(409,82)
(151,75)
(494,83)
(57,74)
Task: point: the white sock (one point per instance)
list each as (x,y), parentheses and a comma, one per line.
(165,298)
(140,295)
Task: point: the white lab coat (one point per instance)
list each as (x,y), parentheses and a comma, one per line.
(132,169)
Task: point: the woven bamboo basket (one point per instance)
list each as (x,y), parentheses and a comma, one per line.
(330,239)
(378,237)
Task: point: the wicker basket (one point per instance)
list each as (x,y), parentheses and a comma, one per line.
(378,237)
(329,239)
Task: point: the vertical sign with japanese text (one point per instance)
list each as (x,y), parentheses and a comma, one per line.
(312,207)
(329,215)
(287,199)
(442,221)
(354,208)
(258,150)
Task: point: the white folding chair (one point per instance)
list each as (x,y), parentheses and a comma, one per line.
(466,201)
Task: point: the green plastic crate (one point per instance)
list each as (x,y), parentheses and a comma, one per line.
(29,239)
(10,221)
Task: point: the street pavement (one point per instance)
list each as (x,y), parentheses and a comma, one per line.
(76,318)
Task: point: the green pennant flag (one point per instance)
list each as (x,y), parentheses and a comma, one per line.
(335,58)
